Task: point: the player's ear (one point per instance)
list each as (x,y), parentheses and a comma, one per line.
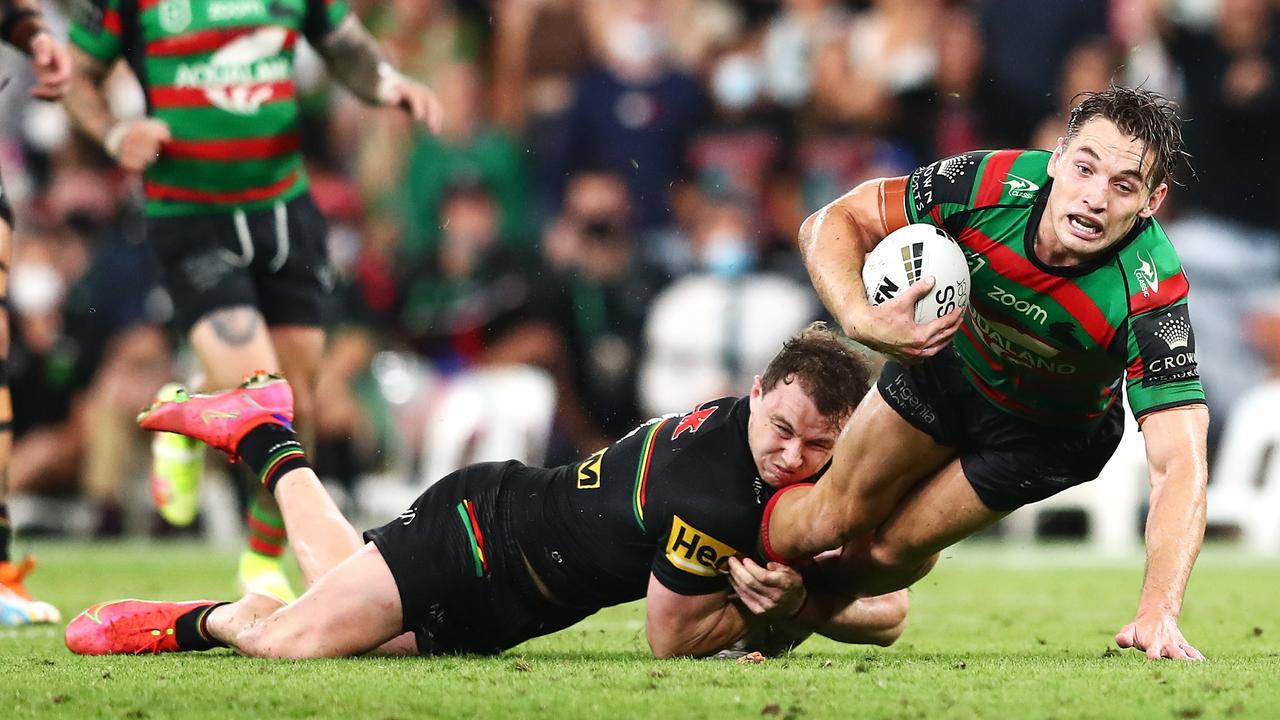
(1057,156)
(757,389)
(1154,200)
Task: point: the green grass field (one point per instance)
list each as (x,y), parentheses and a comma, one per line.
(994,634)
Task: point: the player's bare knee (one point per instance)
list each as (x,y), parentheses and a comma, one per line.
(885,553)
(895,606)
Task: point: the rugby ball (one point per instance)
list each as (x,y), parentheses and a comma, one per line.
(913,253)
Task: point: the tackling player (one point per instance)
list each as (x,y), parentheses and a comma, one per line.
(497,553)
(22,26)
(241,245)
(1077,296)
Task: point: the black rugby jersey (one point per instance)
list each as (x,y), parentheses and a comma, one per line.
(678,496)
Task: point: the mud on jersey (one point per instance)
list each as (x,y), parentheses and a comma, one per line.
(1055,344)
(220,73)
(677,497)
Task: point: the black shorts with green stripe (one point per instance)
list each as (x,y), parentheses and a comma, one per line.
(274,258)
(1009,461)
(463,585)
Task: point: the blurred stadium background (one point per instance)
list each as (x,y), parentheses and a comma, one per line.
(603,231)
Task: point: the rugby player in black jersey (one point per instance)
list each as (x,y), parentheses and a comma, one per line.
(497,553)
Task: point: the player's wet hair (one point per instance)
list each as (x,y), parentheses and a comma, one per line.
(829,370)
(1146,115)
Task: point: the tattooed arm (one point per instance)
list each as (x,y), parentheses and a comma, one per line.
(355,59)
(22,26)
(135,144)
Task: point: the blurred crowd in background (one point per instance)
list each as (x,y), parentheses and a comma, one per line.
(613,202)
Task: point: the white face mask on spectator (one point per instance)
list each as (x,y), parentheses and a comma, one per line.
(736,82)
(636,42)
(35,288)
(728,255)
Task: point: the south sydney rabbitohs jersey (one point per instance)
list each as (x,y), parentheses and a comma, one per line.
(1055,344)
(220,74)
(677,497)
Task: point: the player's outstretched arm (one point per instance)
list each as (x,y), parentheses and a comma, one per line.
(834,243)
(1176,455)
(690,625)
(354,58)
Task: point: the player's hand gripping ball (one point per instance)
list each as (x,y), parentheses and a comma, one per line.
(912,253)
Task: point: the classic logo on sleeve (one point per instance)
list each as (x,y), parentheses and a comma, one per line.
(1167,346)
(694,551)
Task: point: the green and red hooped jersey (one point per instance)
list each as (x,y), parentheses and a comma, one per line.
(220,73)
(1055,344)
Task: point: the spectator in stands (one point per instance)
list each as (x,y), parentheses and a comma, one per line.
(633,114)
(706,332)
(595,305)
(468,149)
(1024,44)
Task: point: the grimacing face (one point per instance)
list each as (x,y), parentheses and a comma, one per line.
(789,439)
(1099,190)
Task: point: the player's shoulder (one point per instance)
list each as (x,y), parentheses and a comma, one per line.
(1152,269)
(979,179)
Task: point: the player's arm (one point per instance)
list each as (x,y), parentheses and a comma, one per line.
(134,143)
(690,625)
(781,594)
(23,26)
(834,242)
(355,60)
(1176,456)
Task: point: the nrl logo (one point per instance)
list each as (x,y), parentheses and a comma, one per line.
(175,15)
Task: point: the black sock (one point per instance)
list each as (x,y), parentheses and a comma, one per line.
(269,451)
(5,532)
(189,630)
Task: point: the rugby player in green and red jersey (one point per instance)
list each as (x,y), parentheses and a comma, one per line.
(1077,296)
(497,553)
(240,243)
(22,26)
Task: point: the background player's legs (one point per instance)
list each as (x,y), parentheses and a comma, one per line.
(353,609)
(6,400)
(16,605)
(877,459)
(937,514)
(232,342)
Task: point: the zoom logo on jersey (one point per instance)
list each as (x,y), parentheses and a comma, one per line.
(1167,346)
(694,551)
(1011,301)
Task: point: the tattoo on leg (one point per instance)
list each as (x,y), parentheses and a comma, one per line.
(235,326)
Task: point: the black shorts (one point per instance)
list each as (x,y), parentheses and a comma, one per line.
(1009,461)
(275,259)
(465,591)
